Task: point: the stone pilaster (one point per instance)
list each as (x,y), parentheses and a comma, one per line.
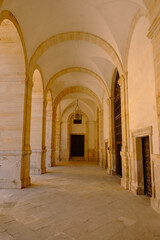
(15,160)
(154,35)
(43,155)
(109,169)
(97,133)
(124,149)
(101,143)
(48,157)
(26,149)
(155,167)
(58,140)
(86,141)
(53,144)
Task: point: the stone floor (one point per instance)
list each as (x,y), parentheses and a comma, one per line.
(76,202)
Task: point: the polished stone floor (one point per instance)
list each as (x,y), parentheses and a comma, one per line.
(76,201)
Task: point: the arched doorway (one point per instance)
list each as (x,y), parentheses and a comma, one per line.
(118,128)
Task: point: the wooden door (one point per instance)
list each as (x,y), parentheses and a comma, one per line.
(77,145)
(118,128)
(147,167)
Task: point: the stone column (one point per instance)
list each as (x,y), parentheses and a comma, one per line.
(68,125)
(111,143)
(48,134)
(86,141)
(109,169)
(15,131)
(26,149)
(57,140)
(101,143)
(97,138)
(155,167)
(43,155)
(53,144)
(154,35)
(124,149)
(14,161)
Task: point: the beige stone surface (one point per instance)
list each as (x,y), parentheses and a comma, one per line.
(45,68)
(76,201)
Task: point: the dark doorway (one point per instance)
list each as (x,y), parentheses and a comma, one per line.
(146,166)
(77,145)
(118,129)
(118,160)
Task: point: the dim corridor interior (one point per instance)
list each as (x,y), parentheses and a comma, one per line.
(76,200)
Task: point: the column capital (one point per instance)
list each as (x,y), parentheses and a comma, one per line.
(110,99)
(121,80)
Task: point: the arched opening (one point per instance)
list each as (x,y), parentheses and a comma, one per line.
(36,123)
(77,139)
(117,124)
(49,129)
(12,92)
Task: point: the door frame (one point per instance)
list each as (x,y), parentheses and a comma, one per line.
(137,184)
(86,136)
(85,145)
(72,134)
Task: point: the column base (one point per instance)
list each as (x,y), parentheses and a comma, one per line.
(155,204)
(25,182)
(113,172)
(53,164)
(37,171)
(137,190)
(14,169)
(109,171)
(125,183)
(36,167)
(125,171)
(155,200)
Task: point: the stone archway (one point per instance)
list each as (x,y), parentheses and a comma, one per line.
(82,36)
(77,69)
(13,152)
(57,101)
(84,132)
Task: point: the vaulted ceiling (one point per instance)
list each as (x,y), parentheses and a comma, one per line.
(76,42)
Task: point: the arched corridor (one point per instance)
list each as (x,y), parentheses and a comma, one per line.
(80,82)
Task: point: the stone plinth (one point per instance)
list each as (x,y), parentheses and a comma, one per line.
(155,200)
(36,165)
(14,169)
